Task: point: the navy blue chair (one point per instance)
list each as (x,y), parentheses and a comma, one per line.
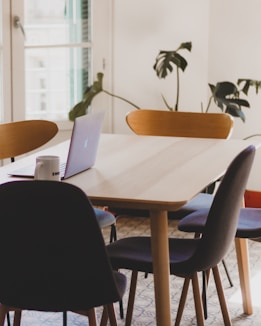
(188,256)
(57,259)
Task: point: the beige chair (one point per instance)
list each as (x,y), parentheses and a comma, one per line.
(180,124)
(21,137)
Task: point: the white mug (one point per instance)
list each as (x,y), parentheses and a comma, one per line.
(47,168)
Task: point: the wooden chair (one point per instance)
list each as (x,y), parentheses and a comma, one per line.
(21,137)
(57,259)
(180,124)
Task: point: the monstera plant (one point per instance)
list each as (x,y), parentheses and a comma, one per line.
(165,62)
(226,95)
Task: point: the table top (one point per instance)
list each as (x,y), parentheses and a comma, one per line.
(149,172)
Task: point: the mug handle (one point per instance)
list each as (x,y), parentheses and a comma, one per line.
(37,169)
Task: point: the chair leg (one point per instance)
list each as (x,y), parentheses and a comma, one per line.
(64,318)
(204,293)
(121,309)
(8,319)
(111,313)
(90,313)
(197,300)
(227,273)
(3,313)
(92,317)
(113,234)
(182,301)
(17,318)
(221,296)
(104,317)
(133,286)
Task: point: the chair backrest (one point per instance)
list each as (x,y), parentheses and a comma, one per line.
(17,138)
(222,220)
(180,124)
(52,249)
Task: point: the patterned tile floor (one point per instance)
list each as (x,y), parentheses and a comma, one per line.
(144,313)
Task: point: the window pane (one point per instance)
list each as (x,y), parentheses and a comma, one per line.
(55,80)
(56,21)
(57,56)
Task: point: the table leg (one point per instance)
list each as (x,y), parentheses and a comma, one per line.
(241,246)
(160,256)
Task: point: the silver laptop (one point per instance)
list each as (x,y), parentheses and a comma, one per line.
(82,150)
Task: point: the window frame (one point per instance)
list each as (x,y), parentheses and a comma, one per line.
(14,85)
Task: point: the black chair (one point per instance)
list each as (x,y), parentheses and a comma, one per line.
(189,256)
(56,259)
(249,223)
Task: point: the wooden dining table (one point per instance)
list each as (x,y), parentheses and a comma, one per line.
(159,174)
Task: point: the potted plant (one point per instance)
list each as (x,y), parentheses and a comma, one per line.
(226,95)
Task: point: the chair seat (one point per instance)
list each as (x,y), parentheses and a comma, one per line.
(134,253)
(104,218)
(249,224)
(201,201)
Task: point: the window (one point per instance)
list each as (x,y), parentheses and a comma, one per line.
(57,56)
(48,58)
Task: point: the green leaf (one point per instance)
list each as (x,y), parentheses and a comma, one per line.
(223,89)
(248,84)
(81,108)
(235,112)
(185,45)
(78,110)
(226,97)
(165,60)
(212,88)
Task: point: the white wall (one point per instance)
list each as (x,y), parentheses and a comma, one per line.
(141,29)
(235,52)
